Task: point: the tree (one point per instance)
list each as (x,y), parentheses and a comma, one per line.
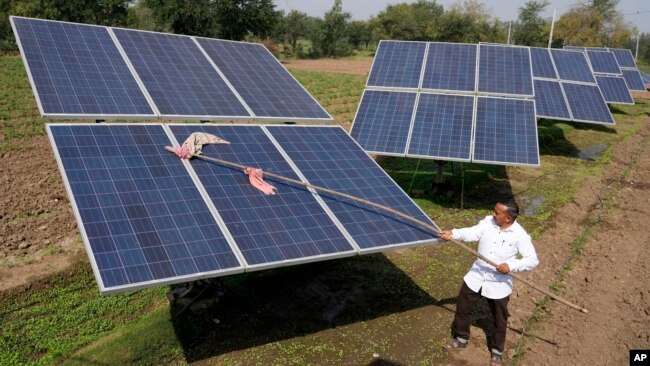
(409,22)
(530,28)
(469,22)
(359,34)
(590,25)
(331,32)
(606,8)
(296,25)
(192,17)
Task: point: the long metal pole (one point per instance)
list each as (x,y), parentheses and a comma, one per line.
(391,210)
(636,54)
(550,36)
(509,29)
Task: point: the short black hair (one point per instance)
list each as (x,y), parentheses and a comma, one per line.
(512,208)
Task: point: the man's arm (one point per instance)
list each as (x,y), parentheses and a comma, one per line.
(528,255)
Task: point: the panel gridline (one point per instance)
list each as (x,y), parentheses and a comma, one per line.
(77,69)
(443,126)
(624,57)
(177,75)
(383,121)
(542,63)
(290,225)
(327,157)
(450,66)
(142,214)
(397,64)
(506,131)
(587,103)
(633,80)
(550,101)
(603,62)
(259,78)
(614,89)
(572,66)
(505,70)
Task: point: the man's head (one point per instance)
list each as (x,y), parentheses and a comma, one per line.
(505,213)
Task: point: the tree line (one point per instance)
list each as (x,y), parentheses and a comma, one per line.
(594,23)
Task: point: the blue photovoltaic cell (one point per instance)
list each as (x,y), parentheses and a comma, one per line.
(574,48)
(645,77)
(505,70)
(623,57)
(587,103)
(603,62)
(506,131)
(542,63)
(572,65)
(264,84)
(288,226)
(78,70)
(329,158)
(144,219)
(397,64)
(178,76)
(450,66)
(633,80)
(443,127)
(614,89)
(383,121)
(549,100)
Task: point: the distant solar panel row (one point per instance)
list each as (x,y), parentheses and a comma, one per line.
(148,218)
(87,71)
(645,77)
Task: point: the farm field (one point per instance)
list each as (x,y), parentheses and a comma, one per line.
(587,208)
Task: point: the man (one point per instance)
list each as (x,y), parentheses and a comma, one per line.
(504,241)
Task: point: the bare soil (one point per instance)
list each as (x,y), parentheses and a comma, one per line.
(38,236)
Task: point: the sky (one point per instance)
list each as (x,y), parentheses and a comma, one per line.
(503,9)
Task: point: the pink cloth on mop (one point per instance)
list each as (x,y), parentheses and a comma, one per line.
(256,177)
(195,142)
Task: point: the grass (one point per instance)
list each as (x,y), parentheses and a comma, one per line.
(336,312)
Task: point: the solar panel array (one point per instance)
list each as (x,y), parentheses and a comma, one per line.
(440,119)
(148,218)
(645,77)
(87,71)
(561,77)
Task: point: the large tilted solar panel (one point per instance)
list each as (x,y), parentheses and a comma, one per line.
(550,102)
(645,77)
(633,80)
(328,157)
(587,103)
(264,84)
(383,121)
(614,89)
(505,70)
(141,217)
(442,128)
(542,63)
(603,62)
(572,66)
(451,67)
(397,64)
(77,71)
(506,132)
(179,78)
(624,57)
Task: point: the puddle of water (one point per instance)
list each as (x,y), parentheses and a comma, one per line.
(591,153)
(531,206)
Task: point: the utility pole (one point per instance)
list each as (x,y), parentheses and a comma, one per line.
(636,54)
(509,29)
(550,36)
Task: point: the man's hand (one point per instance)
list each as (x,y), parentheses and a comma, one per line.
(445,234)
(503,268)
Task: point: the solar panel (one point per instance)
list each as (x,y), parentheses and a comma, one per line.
(442,128)
(397,64)
(624,57)
(587,103)
(633,80)
(450,66)
(76,70)
(505,70)
(265,85)
(327,157)
(179,77)
(290,226)
(142,219)
(383,121)
(645,77)
(603,62)
(549,100)
(542,63)
(614,89)
(572,66)
(506,132)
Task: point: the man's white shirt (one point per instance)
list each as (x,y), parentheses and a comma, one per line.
(512,246)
